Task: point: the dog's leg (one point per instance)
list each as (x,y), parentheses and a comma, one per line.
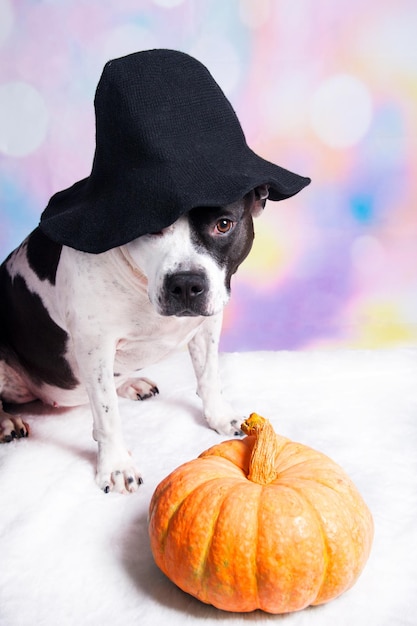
(203,349)
(115,468)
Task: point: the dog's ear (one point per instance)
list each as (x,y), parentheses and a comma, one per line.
(261,194)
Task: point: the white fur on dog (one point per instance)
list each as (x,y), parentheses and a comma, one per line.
(69,554)
(174,252)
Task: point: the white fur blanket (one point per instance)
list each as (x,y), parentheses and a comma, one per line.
(71,555)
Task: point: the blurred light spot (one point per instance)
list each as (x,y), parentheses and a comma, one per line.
(284,109)
(362,207)
(280,240)
(265,259)
(368,255)
(221,59)
(23,119)
(126,39)
(168,4)
(341,111)
(388,141)
(254,14)
(388,45)
(19,213)
(383,325)
(6,20)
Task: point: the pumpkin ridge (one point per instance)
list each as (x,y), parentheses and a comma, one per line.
(295,449)
(345,521)
(289,600)
(255,552)
(344,494)
(325,543)
(203,566)
(229,465)
(316,480)
(163,537)
(326,550)
(190,494)
(166,485)
(325,484)
(200,566)
(229,580)
(161,493)
(236,451)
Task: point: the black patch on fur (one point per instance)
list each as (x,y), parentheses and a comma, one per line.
(29,338)
(232,248)
(43,255)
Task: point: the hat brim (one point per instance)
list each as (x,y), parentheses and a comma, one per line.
(147,201)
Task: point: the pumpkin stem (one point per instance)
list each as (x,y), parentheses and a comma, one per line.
(262,462)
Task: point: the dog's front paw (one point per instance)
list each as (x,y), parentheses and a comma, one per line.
(223,419)
(231,428)
(137,389)
(116,470)
(12,427)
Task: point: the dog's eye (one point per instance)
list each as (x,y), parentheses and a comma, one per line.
(224,225)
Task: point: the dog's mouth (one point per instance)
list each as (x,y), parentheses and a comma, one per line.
(189,313)
(172,311)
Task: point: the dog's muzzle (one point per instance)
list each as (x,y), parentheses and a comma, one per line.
(185,294)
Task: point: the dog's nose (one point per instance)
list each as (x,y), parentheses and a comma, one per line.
(186,286)
(185,290)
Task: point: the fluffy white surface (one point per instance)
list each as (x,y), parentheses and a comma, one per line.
(70,554)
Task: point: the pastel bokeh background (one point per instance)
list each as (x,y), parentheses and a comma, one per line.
(327,89)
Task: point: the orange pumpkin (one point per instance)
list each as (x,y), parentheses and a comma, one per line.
(260,522)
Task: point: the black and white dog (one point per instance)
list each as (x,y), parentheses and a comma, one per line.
(135,260)
(75,326)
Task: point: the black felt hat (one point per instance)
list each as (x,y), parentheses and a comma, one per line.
(167,141)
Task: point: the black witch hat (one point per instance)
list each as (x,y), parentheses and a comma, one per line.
(167,141)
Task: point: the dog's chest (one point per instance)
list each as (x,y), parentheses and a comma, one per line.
(152,342)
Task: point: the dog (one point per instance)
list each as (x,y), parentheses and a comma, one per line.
(135,260)
(77,327)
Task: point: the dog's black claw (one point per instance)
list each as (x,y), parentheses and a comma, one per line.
(140,480)
(106,489)
(130,480)
(238,432)
(144,396)
(23,432)
(8,438)
(13,434)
